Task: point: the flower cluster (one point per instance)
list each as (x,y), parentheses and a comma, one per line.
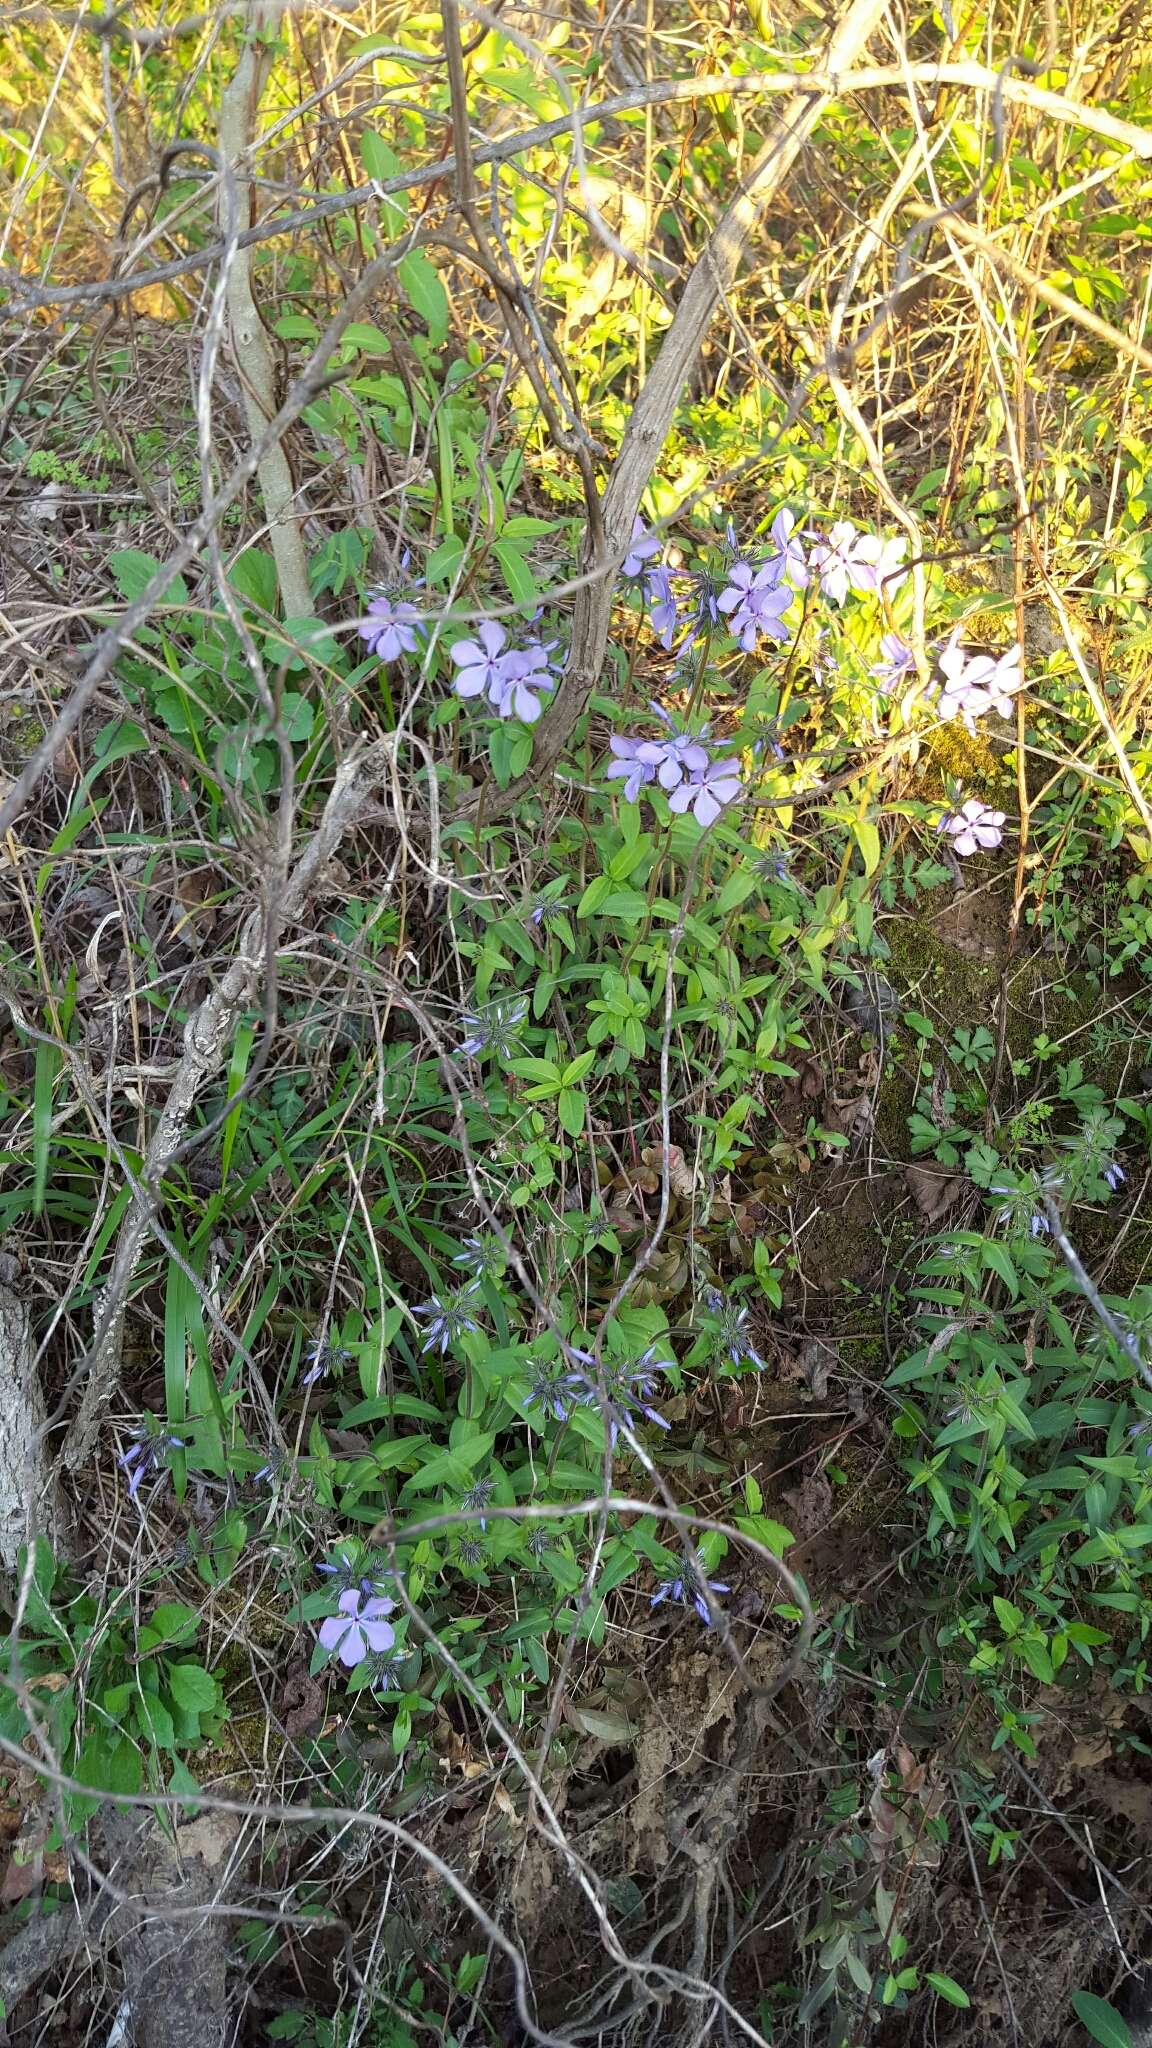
(514,680)
(449,1317)
(494,1028)
(681,766)
(320,1357)
(689,1588)
(624,1391)
(146,1455)
(725,1324)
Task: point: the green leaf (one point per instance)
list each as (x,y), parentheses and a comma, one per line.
(868,840)
(134,571)
(571,1108)
(253,576)
(1102,2020)
(193,1688)
(420,282)
(370,340)
(444,561)
(172,1622)
(947,1987)
(516,573)
(996,1259)
(155,1721)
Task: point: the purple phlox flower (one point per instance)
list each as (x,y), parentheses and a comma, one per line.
(689,1588)
(482,1254)
(896,660)
(145,1456)
(709,791)
(275,1461)
(754,601)
(789,558)
(1114,1174)
(874,564)
(479,662)
(478,1498)
(975,683)
(730,1330)
(634,765)
(392,626)
(662,606)
(360,1627)
(449,1317)
(525,677)
(320,1357)
(641,548)
(973,826)
(539,1540)
(675,758)
(494,1028)
(831,559)
(1037,1224)
(470,1551)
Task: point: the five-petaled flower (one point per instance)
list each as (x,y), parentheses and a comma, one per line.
(708,791)
(359,1628)
(975,683)
(973,826)
(479,662)
(392,626)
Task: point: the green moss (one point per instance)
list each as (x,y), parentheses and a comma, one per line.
(925,967)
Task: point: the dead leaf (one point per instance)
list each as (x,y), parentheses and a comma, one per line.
(806,1084)
(815,1360)
(811,1504)
(613,1729)
(934,1190)
(301,1701)
(680,1178)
